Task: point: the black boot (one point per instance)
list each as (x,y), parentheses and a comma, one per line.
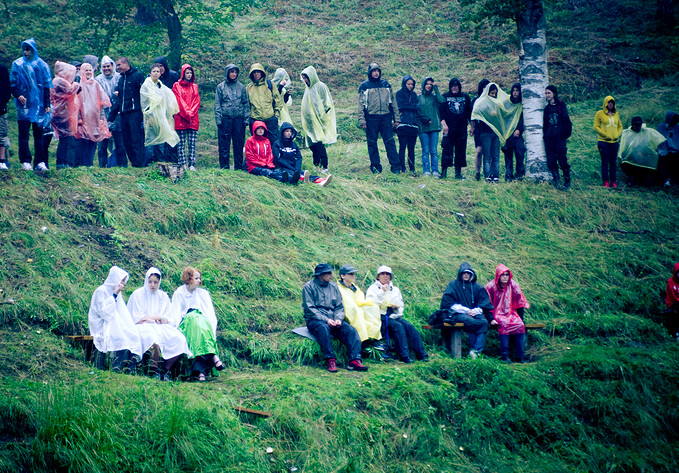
(567,179)
(555,179)
(444,172)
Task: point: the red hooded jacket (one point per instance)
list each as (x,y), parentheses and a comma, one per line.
(258,152)
(673,288)
(188,100)
(506,301)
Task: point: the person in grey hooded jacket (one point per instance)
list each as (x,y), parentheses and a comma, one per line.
(232,111)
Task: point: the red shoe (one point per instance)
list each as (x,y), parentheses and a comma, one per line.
(606,184)
(614,184)
(332,365)
(356,365)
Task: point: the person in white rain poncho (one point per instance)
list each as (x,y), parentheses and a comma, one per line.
(281,79)
(111,326)
(159,105)
(198,322)
(639,152)
(318,117)
(497,118)
(156,321)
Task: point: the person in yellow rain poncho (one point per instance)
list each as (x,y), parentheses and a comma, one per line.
(159,105)
(363,314)
(318,117)
(282,81)
(497,117)
(639,152)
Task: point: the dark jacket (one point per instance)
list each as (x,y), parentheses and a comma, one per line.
(128,88)
(470,294)
(457,110)
(289,155)
(322,301)
(376,98)
(5,89)
(231,99)
(408,106)
(556,124)
(670,130)
(169,77)
(517,100)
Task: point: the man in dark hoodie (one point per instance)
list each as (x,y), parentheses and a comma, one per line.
(232,112)
(127,103)
(455,117)
(668,163)
(556,129)
(469,302)
(378,115)
(167,75)
(514,146)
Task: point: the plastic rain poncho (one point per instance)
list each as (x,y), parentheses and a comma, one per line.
(31,78)
(506,302)
(278,76)
(147,303)
(64,100)
(640,149)
(362,314)
(200,325)
(500,114)
(159,106)
(318,111)
(109,321)
(91,99)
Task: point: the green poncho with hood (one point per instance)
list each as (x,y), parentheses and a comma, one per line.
(318,111)
(500,114)
(640,149)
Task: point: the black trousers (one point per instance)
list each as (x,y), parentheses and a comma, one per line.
(24,151)
(320,155)
(346,334)
(133,137)
(231,130)
(406,338)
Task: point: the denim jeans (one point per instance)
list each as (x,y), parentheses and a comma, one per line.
(490,145)
(519,341)
(430,158)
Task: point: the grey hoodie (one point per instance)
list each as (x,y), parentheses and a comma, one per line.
(231,99)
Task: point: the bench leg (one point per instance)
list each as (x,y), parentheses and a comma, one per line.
(456,351)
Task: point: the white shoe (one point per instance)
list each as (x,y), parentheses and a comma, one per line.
(42,167)
(667,183)
(436,174)
(426,174)
(27,167)
(325,181)
(305,176)
(325,171)
(473,354)
(3,166)
(192,168)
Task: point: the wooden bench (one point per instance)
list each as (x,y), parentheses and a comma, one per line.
(454,344)
(86,342)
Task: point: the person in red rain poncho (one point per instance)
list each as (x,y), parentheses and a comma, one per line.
(509,304)
(186,121)
(672,303)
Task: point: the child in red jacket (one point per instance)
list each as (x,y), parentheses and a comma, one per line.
(259,157)
(186,121)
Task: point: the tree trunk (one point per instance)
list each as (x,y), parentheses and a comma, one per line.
(534,78)
(665,13)
(174,33)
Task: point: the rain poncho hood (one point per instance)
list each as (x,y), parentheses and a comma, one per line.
(640,149)
(506,300)
(64,100)
(278,76)
(91,60)
(188,100)
(91,99)
(500,114)
(158,104)
(31,78)
(608,127)
(318,111)
(360,312)
(107,60)
(672,293)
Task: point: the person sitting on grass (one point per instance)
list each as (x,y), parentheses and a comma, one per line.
(290,157)
(111,326)
(198,322)
(390,301)
(157,322)
(361,313)
(672,303)
(509,304)
(324,317)
(259,156)
(468,301)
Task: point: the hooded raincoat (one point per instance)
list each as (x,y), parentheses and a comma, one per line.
(672,292)
(469,294)
(188,101)
(31,78)
(109,83)
(169,77)
(158,104)
(640,149)
(198,319)
(318,111)
(91,100)
(278,76)
(109,321)
(264,102)
(506,301)
(363,314)
(289,155)
(607,127)
(258,153)
(64,100)
(147,303)
(500,114)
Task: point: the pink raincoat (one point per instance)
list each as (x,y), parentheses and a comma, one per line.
(506,301)
(64,100)
(92,98)
(188,101)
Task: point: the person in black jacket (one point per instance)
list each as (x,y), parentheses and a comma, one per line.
(455,116)
(514,146)
(128,104)
(167,76)
(290,157)
(470,304)
(556,128)
(5,95)
(408,129)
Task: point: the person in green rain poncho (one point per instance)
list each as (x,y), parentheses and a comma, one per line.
(318,117)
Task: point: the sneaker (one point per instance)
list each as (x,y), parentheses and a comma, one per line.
(332,365)
(426,174)
(294,179)
(325,171)
(436,174)
(496,180)
(192,168)
(41,167)
(166,377)
(667,183)
(472,354)
(27,167)
(325,181)
(356,365)
(606,184)
(478,176)
(305,176)
(489,180)
(614,184)
(375,170)
(459,176)
(3,166)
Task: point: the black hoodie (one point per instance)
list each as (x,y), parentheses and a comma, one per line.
(457,111)
(169,77)
(289,155)
(470,294)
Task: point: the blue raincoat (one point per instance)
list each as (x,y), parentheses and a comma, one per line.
(32,79)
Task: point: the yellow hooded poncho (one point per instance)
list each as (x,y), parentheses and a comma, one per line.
(500,114)
(318,111)
(362,314)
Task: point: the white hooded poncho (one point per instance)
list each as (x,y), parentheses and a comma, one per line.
(145,302)
(109,321)
(318,111)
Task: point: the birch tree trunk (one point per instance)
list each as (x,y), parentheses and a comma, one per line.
(534,78)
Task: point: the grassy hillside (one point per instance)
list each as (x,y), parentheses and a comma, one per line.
(599,394)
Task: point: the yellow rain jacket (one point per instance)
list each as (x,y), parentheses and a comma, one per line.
(362,314)
(159,105)
(608,128)
(500,114)
(264,102)
(318,111)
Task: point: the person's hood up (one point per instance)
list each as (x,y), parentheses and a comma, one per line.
(406,78)
(193,77)
(424,81)
(149,273)
(371,68)
(675,271)
(115,276)
(466,268)
(33,45)
(257,67)
(482,85)
(256,125)
(228,69)
(455,81)
(511,97)
(608,99)
(65,71)
(671,118)
(92,60)
(279,75)
(107,60)
(288,126)
(499,271)
(311,73)
(162,60)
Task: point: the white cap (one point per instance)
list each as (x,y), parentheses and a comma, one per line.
(384,269)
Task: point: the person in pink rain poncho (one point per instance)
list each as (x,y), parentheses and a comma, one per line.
(65,107)
(92,126)
(509,304)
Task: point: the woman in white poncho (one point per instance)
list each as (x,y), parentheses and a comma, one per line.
(281,79)
(159,105)
(156,321)
(111,326)
(198,322)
